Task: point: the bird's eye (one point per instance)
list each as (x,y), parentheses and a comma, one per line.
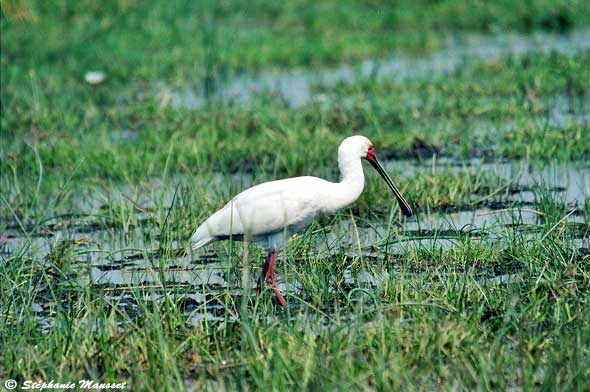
(370,153)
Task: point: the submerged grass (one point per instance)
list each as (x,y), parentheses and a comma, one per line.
(504,311)
(432,317)
(102,186)
(506,108)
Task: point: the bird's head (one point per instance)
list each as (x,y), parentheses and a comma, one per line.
(361,147)
(355,147)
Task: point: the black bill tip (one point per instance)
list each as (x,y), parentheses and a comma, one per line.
(403,204)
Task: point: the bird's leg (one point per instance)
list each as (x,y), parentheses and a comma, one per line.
(272,260)
(263,274)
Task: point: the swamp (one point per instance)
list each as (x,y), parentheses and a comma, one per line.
(125,124)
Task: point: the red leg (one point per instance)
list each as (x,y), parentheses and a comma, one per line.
(272,260)
(262,275)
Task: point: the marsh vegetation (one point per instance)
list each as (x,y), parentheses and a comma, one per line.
(481,112)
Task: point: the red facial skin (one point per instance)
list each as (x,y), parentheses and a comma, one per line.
(371,154)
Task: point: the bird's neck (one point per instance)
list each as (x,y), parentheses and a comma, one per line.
(351,172)
(350,187)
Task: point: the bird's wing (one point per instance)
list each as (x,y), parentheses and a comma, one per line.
(266,208)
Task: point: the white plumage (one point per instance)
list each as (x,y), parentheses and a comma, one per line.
(270,212)
(263,212)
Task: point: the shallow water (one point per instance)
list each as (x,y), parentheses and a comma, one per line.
(572,179)
(568,181)
(121,261)
(296,87)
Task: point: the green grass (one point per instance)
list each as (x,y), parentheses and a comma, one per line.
(436,318)
(492,108)
(235,35)
(373,304)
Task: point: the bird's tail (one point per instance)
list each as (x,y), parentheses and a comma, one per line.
(201,238)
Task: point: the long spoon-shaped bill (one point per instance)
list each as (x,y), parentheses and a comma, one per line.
(403,204)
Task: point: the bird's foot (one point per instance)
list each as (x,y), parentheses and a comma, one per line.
(272,282)
(280,297)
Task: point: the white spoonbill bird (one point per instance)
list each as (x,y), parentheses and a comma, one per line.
(270,212)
